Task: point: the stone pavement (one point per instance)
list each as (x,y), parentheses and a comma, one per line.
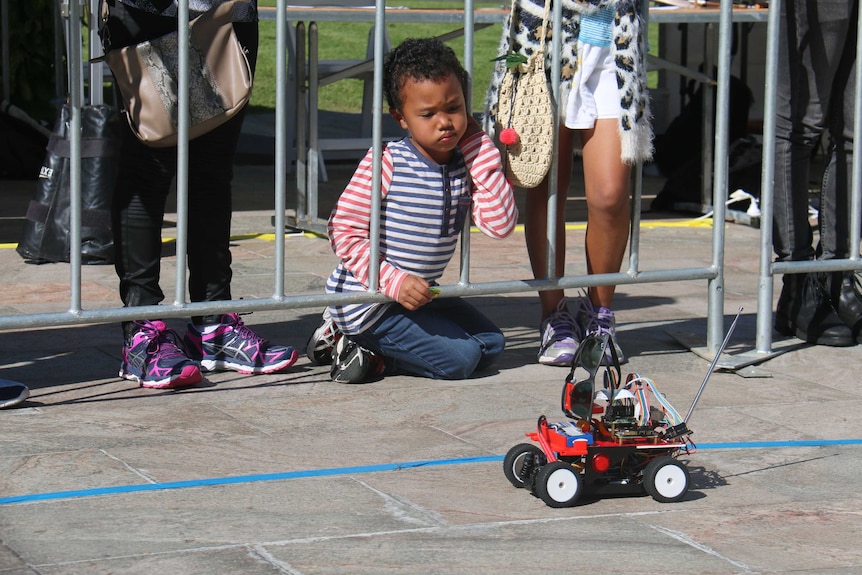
(293,474)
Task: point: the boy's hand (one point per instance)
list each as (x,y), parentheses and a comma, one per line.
(414,293)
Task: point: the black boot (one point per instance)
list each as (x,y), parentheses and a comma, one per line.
(805,311)
(846,292)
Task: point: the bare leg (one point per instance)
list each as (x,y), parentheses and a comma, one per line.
(536,227)
(607,182)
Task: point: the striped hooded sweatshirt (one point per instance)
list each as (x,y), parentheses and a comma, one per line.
(424,206)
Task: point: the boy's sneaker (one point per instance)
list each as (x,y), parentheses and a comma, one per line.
(352,363)
(322,342)
(600,320)
(155,359)
(232,345)
(560,337)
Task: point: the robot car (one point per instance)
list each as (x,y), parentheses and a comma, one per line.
(624,438)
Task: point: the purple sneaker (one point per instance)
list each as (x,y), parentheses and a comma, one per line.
(601,321)
(155,359)
(232,345)
(560,337)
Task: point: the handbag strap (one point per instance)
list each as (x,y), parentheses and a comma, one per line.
(545,16)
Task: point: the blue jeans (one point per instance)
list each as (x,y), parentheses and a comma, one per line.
(445,339)
(816,81)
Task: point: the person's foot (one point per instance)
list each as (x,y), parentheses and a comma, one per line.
(322,342)
(846,294)
(560,337)
(155,359)
(804,310)
(12,393)
(352,363)
(232,345)
(599,320)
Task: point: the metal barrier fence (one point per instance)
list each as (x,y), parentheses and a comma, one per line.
(768,268)
(711,271)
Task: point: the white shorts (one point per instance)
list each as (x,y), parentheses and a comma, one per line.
(594,94)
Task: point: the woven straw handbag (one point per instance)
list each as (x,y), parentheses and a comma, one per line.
(525,117)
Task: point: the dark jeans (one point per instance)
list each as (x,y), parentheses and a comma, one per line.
(144,182)
(445,339)
(816,76)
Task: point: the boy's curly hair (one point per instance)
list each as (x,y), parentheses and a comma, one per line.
(419,59)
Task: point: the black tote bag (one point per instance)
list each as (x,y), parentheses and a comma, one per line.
(46,232)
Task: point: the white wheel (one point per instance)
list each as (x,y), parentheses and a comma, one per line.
(666,479)
(558,484)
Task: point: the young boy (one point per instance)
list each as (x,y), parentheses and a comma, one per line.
(432,180)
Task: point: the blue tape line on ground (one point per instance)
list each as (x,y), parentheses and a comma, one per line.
(78,493)
(81,493)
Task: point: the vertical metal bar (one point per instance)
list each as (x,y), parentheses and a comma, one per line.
(744,31)
(715,313)
(69,27)
(96,76)
(76,89)
(464,278)
(301,124)
(313,165)
(469,35)
(59,47)
(683,60)
(377,144)
(856,197)
(763,336)
(553,176)
(182,151)
(634,242)
(4,46)
(634,239)
(709,119)
(280,145)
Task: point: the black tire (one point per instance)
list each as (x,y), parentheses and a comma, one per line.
(521,462)
(666,480)
(558,484)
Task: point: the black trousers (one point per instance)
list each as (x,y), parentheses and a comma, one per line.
(816,94)
(145,179)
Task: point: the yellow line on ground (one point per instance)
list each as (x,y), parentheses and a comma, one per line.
(267,237)
(645,225)
(704,223)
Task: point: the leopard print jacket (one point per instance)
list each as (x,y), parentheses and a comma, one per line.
(635,126)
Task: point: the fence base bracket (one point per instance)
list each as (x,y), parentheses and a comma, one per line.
(741,363)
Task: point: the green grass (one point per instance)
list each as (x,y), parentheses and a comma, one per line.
(348,40)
